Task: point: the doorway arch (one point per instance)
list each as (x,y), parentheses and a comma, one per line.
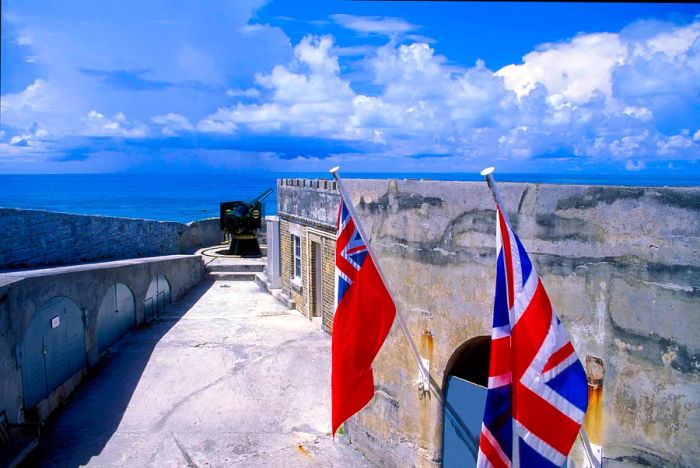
(53,349)
(465,380)
(157,297)
(116,316)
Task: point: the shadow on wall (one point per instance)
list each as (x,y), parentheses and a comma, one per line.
(96,410)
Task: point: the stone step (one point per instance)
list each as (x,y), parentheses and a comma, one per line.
(282,298)
(263,282)
(231,276)
(235,267)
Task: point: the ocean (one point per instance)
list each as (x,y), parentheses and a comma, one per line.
(187,197)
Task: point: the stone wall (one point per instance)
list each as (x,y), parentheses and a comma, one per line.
(622,269)
(30,238)
(22,295)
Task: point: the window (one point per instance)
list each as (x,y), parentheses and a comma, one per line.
(296,241)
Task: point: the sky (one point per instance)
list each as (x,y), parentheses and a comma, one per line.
(237,85)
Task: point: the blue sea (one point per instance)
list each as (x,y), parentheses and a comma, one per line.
(187,197)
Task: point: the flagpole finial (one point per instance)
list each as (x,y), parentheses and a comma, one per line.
(334,170)
(488,171)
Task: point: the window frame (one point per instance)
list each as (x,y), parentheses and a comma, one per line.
(296,258)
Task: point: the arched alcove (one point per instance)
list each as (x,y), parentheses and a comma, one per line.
(157,297)
(470,361)
(53,349)
(116,316)
(464,395)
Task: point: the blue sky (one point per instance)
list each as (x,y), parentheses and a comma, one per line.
(185,86)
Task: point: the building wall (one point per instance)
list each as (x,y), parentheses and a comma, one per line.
(328,266)
(308,208)
(622,269)
(30,238)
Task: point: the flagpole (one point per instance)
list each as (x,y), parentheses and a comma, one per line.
(404,328)
(488,175)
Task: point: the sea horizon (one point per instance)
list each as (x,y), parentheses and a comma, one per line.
(189,197)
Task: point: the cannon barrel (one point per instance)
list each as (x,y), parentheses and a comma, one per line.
(241,220)
(261,197)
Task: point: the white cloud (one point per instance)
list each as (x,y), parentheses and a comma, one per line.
(622,97)
(19,109)
(118,125)
(308,96)
(374,24)
(576,69)
(246,93)
(677,144)
(641,113)
(563,101)
(172,124)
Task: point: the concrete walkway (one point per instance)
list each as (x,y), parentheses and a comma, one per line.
(226,377)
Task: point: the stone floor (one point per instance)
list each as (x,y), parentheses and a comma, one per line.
(226,377)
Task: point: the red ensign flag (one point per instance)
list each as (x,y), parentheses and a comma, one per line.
(364,314)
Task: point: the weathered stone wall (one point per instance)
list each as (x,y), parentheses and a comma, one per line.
(622,269)
(30,238)
(22,295)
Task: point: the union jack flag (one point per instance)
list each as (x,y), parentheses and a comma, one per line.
(351,251)
(364,313)
(537,390)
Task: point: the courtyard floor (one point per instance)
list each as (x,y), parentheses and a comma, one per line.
(226,377)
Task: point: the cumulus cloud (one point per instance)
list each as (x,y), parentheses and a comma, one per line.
(627,98)
(308,97)
(19,109)
(576,69)
(595,97)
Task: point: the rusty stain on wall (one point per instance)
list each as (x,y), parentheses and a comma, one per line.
(426,351)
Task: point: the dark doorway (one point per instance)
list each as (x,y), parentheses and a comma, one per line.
(464,384)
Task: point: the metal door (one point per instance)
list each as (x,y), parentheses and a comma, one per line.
(53,349)
(157,297)
(116,316)
(464,412)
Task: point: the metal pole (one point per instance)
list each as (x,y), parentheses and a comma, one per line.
(404,328)
(488,175)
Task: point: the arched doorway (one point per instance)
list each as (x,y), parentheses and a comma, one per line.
(53,349)
(116,316)
(157,297)
(464,384)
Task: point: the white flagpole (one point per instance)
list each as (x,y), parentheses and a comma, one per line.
(488,175)
(404,328)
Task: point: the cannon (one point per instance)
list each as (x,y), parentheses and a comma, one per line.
(241,220)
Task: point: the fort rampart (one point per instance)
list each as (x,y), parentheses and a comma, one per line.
(56,322)
(31,238)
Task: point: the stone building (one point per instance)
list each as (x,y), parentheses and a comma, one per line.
(306,216)
(622,269)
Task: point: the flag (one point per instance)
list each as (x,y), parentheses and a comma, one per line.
(537,390)
(364,314)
